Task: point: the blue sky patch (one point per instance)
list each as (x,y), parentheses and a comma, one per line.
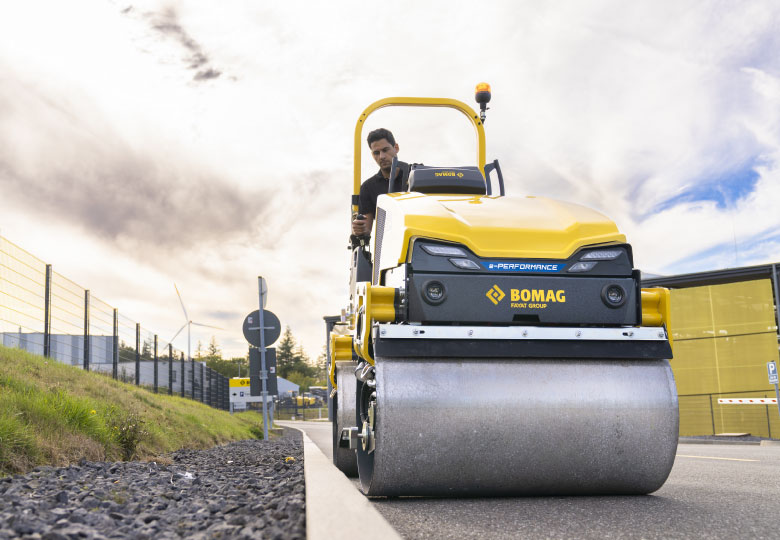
(724,190)
(749,251)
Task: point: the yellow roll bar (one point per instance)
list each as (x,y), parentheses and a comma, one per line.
(415,102)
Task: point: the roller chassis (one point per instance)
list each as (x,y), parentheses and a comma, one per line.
(483,394)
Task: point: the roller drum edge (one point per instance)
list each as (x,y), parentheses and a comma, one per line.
(466,427)
(344,458)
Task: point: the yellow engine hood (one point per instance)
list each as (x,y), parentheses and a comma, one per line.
(522,227)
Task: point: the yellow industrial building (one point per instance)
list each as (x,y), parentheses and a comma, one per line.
(725,332)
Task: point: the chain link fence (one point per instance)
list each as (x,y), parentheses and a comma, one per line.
(45,313)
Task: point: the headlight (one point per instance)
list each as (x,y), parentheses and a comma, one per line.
(602,255)
(581,267)
(444,251)
(466,264)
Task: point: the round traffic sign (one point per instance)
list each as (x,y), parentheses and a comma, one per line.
(273,328)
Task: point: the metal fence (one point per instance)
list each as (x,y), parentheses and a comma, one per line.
(702,414)
(45,313)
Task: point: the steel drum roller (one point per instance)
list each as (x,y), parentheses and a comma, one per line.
(468,427)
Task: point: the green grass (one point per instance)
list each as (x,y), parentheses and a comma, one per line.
(55,414)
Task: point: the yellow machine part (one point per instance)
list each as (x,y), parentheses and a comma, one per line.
(506,227)
(340,351)
(656,309)
(375,304)
(415,102)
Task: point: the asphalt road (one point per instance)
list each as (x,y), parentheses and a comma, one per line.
(714,491)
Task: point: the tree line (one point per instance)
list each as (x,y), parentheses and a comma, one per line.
(292,362)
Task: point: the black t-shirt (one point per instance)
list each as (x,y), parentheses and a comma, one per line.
(378,185)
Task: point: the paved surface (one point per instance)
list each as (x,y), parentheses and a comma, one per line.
(714,491)
(335,510)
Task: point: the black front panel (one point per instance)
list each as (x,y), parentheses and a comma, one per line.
(512,348)
(424,262)
(520,299)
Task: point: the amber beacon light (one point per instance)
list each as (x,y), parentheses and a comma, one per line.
(482,95)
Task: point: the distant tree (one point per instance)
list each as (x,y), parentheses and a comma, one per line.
(199,349)
(126,352)
(321,367)
(233,367)
(229,368)
(146,350)
(285,353)
(291,358)
(303,380)
(213,349)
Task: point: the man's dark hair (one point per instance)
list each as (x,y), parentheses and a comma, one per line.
(379,134)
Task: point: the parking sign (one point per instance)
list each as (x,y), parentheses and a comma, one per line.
(771,368)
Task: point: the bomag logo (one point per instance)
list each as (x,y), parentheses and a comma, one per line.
(495,294)
(536,298)
(538,295)
(446,173)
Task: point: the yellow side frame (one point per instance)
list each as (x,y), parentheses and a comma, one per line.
(415,102)
(656,309)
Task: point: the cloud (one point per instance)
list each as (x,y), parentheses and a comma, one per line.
(222,133)
(57,158)
(167,23)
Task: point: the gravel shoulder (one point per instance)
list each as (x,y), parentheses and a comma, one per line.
(245,489)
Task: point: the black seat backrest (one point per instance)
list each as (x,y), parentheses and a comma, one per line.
(455,180)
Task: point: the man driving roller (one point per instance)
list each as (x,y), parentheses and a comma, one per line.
(383,150)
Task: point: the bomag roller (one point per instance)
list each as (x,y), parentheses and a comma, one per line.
(496,344)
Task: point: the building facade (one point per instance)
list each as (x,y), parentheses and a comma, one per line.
(725,330)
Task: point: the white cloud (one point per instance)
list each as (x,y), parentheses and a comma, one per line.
(617,106)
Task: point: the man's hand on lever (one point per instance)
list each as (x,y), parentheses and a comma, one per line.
(361,224)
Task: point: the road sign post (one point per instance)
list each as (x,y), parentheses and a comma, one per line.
(771,368)
(262,328)
(263,288)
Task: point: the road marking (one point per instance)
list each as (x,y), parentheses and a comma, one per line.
(711,457)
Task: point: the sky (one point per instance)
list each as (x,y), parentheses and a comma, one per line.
(201,143)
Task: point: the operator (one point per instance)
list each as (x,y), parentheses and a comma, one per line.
(383,150)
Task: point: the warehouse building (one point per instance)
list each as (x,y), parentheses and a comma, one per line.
(725,330)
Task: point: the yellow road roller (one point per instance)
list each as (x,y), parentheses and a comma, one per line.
(495,344)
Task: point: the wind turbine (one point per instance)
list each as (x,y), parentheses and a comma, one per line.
(188,324)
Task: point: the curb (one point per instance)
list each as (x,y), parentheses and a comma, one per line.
(334,508)
(691,440)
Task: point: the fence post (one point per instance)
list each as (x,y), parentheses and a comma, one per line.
(226,382)
(223,396)
(211,388)
(768,425)
(192,379)
(137,354)
(182,375)
(47,315)
(202,387)
(712,416)
(86,330)
(156,363)
(170,369)
(115,352)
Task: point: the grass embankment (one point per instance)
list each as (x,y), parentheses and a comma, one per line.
(55,414)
